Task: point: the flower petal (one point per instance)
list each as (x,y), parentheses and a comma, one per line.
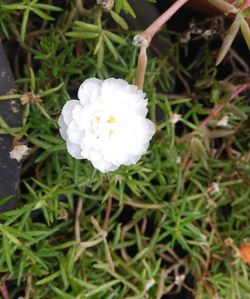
(74,134)
(131,160)
(74,150)
(104,166)
(63,127)
(87,88)
(67,110)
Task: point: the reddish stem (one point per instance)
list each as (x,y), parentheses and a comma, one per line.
(4,291)
(218,108)
(146,36)
(158,23)
(245,4)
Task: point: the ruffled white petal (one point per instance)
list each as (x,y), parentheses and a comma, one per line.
(63,127)
(74,150)
(104,166)
(74,134)
(87,89)
(67,111)
(108,126)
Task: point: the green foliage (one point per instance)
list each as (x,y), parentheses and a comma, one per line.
(183,208)
(27,7)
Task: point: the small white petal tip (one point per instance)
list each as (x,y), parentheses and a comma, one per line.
(175,118)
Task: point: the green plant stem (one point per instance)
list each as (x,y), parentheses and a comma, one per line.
(81,9)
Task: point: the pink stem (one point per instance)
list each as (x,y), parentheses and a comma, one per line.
(218,108)
(158,23)
(4,291)
(238,91)
(245,4)
(146,37)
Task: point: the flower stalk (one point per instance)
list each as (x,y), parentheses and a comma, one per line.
(141,65)
(144,39)
(77,220)
(158,23)
(4,291)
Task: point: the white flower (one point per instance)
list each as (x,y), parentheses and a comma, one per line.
(223,122)
(215,188)
(108,126)
(175,118)
(178,160)
(149,284)
(19,152)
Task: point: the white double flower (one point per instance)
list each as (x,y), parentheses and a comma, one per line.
(108,124)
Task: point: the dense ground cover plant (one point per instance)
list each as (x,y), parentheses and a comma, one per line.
(140,231)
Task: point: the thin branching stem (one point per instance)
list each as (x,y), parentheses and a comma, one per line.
(4,291)
(81,9)
(245,4)
(28,289)
(218,108)
(158,23)
(77,221)
(107,216)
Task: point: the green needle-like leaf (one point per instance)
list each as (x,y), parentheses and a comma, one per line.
(245,31)
(228,39)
